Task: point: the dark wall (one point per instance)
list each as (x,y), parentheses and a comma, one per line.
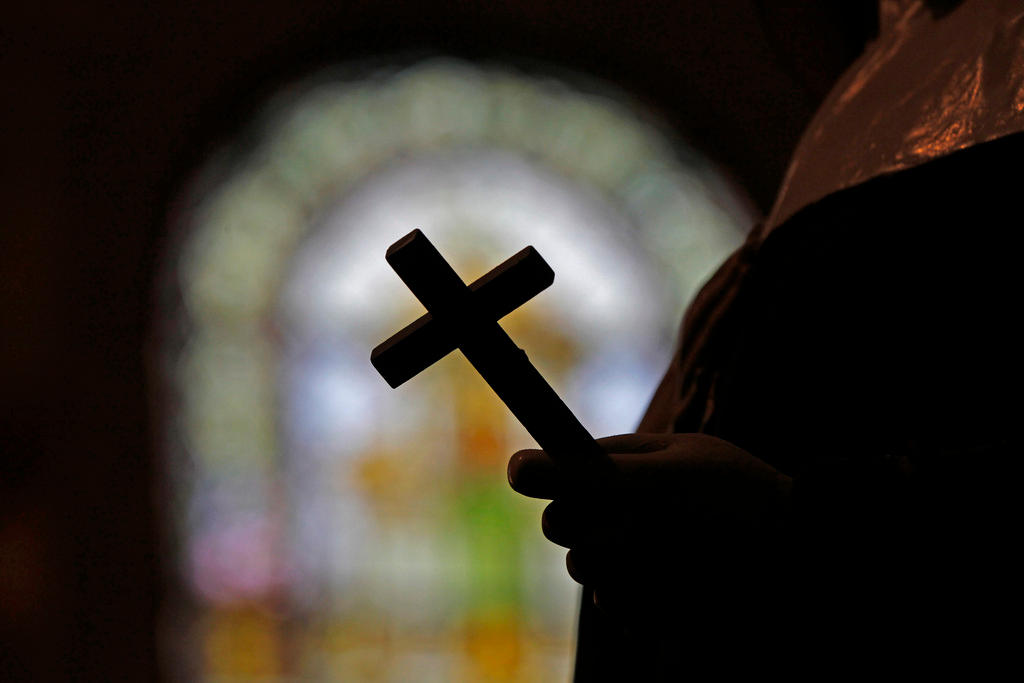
(106,107)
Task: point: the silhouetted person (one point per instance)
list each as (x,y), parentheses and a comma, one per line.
(826,477)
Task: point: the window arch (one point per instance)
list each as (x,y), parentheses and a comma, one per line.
(327,526)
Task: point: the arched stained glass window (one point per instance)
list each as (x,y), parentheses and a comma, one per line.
(328,527)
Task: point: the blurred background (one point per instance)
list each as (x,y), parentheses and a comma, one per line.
(202,478)
(324,525)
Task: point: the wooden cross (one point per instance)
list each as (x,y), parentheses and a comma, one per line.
(466,317)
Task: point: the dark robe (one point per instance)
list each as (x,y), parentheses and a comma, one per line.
(864,341)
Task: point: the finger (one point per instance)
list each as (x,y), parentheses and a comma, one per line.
(561,524)
(533,473)
(634,443)
(589,564)
(607,600)
(577,566)
(650,462)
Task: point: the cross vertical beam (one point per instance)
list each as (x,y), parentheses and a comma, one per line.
(458,311)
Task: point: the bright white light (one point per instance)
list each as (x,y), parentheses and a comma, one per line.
(600,279)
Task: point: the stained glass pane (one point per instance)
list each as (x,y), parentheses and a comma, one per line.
(328,527)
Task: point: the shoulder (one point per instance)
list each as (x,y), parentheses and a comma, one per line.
(908,285)
(949,220)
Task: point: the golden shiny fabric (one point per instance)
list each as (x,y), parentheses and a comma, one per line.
(929,85)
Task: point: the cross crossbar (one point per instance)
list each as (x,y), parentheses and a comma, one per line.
(423,342)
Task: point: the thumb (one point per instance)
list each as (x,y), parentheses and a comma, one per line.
(533,473)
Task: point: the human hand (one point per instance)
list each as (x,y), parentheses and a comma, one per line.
(689,521)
